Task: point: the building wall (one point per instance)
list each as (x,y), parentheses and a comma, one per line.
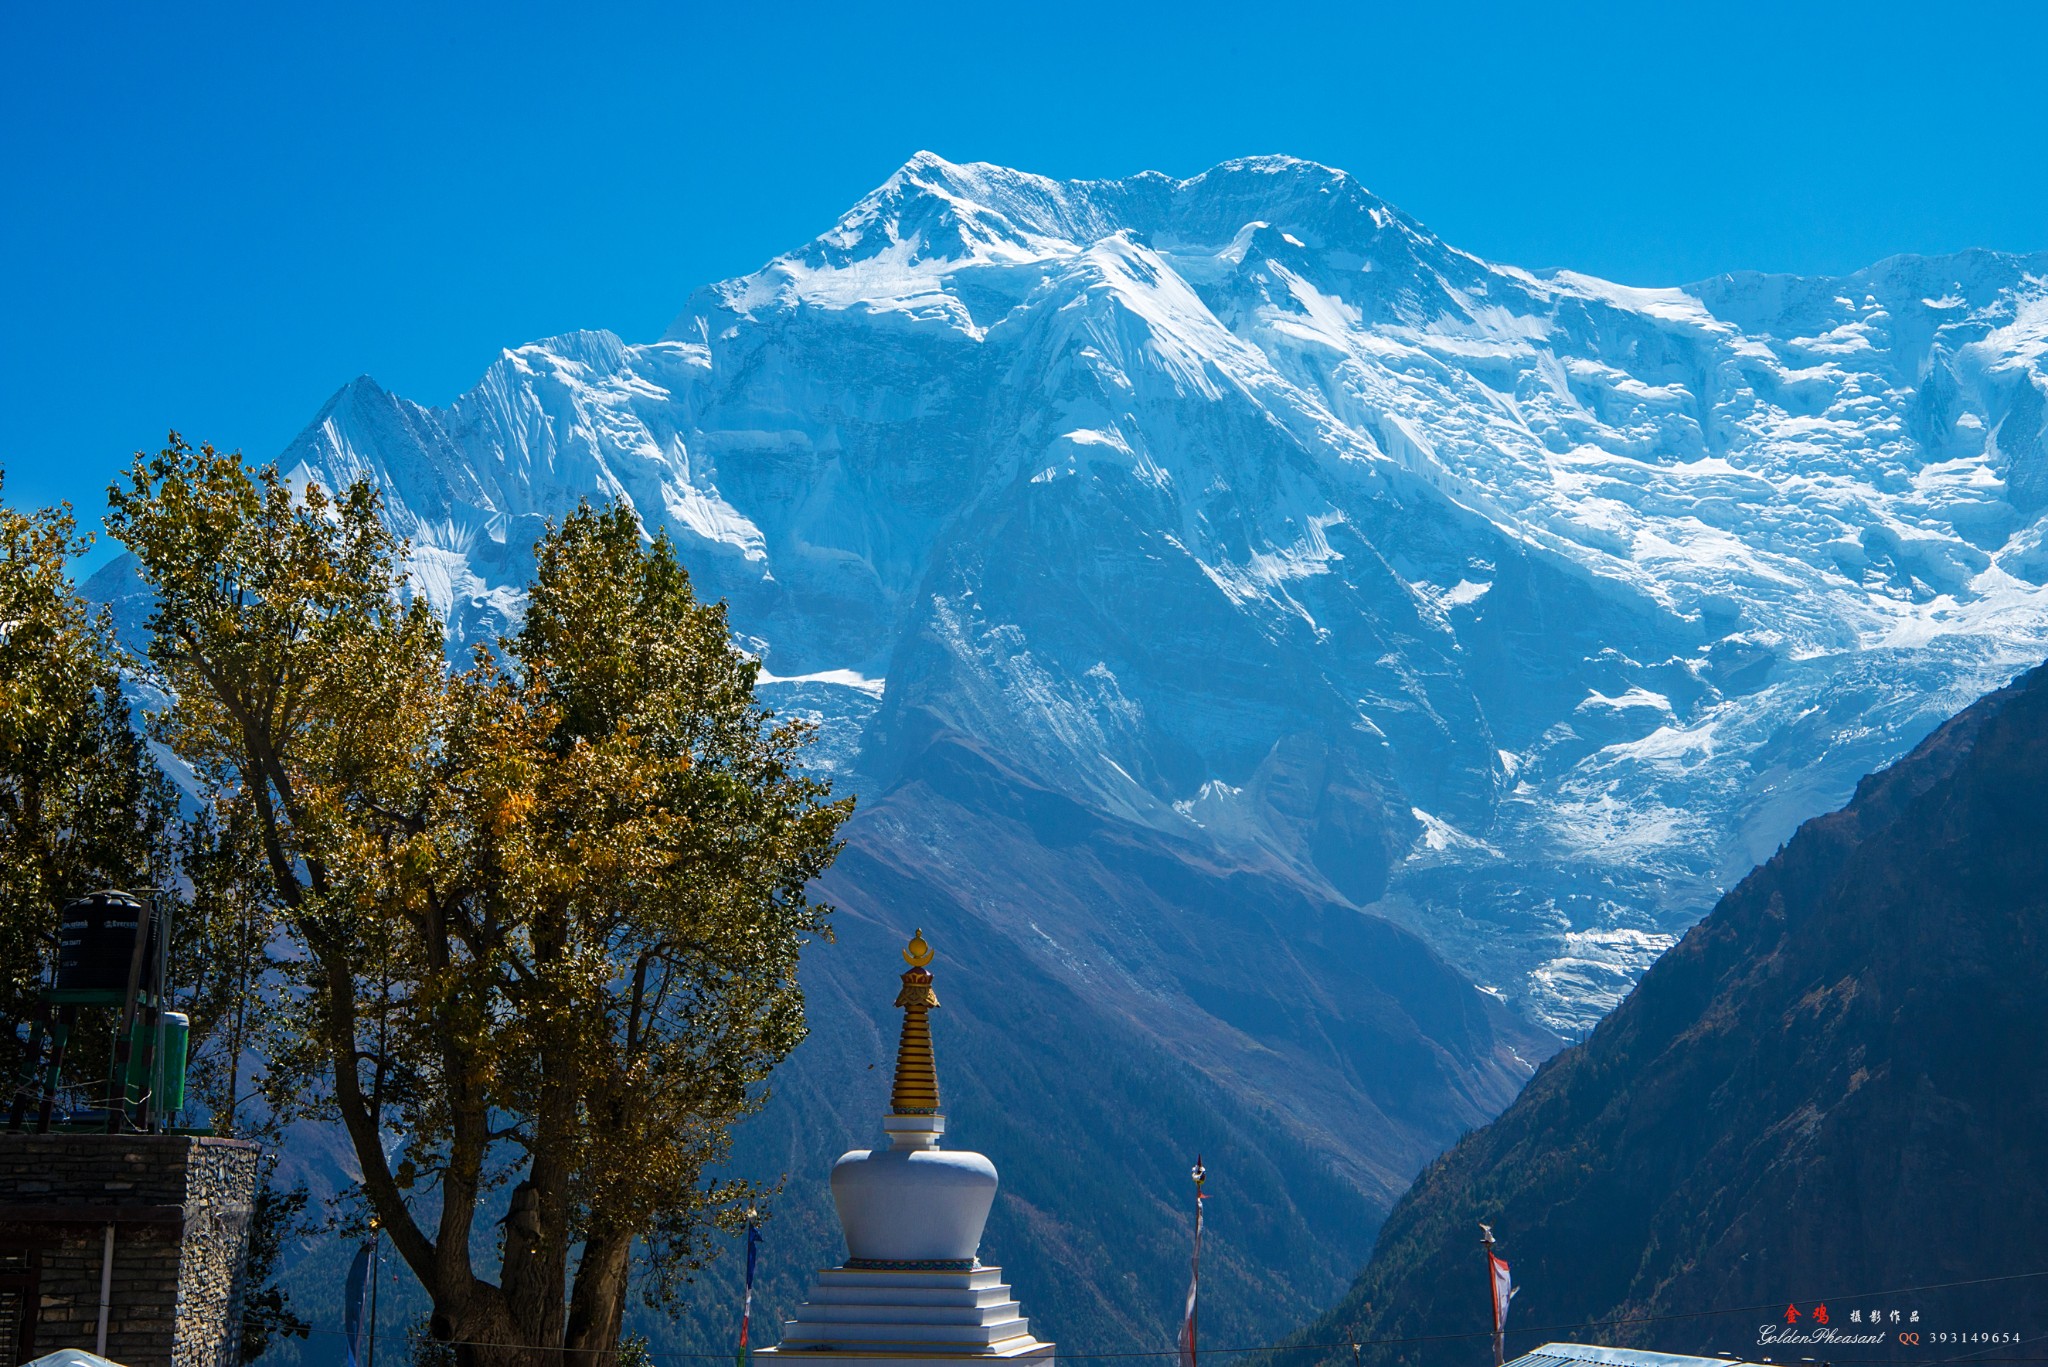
(220,1199)
(180,1207)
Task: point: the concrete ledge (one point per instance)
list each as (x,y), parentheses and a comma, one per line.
(832,1293)
(868,1277)
(816,1324)
(1026,1350)
(912,1334)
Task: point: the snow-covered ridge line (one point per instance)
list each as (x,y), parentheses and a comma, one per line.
(836,678)
(1242,507)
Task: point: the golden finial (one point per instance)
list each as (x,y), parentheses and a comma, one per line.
(916,1091)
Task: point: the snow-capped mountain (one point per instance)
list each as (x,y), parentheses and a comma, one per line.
(1180,568)
(1528,609)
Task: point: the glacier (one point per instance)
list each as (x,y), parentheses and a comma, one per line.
(1295,671)
(1245,508)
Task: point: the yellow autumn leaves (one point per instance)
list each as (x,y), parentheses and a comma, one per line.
(543,912)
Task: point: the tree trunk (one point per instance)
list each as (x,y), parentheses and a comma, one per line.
(536,1257)
(485,1332)
(597,1310)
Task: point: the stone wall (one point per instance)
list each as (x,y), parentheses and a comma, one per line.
(179,1207)
(220,1197)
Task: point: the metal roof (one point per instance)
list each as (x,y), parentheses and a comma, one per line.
(1578,1354)
(72,1357)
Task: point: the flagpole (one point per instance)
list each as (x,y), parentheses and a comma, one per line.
(376,1258)
(360,1286)
(377,1123)
(1194,1306)
(746,1353)
(1187,1333)
(1492,1293)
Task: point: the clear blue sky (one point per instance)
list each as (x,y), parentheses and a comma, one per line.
(214,217)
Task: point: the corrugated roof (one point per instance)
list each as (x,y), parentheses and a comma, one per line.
(1578,1354)
(72,1357)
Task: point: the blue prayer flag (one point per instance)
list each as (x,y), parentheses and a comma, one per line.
(352,1301)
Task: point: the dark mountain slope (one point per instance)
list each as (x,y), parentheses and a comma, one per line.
(1111,1008)
(1836,1083)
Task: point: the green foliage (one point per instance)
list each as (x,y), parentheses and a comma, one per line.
(222,963)
(266,1307)
(82,805)
(542,916)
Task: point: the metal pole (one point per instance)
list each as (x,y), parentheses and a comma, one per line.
(117,1107)
(60,1038)
(106,1291)
(1492,1299)
(377,1118)
(376,1258)
(1192,1347)
(746,1353)
(1195,1307)
(156,1120)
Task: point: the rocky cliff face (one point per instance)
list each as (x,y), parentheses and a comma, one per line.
(1531,610)
(1834,1084)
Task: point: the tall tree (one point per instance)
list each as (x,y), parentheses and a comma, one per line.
(545,913)
(82,804)
(225,968)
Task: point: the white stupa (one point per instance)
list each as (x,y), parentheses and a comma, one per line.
(911,1291)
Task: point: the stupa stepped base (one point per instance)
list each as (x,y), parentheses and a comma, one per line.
(908,1317)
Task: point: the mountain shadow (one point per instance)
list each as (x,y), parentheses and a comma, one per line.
(1834,1088)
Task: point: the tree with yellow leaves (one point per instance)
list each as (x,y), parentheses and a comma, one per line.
(545,912)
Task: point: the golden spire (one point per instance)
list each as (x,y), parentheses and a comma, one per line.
(917,1077)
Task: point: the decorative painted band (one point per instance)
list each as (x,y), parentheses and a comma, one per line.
(911,1265)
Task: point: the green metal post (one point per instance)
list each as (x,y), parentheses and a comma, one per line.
(67,1016)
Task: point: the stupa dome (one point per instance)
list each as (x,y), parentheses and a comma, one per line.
(913,1202)
(912,1291)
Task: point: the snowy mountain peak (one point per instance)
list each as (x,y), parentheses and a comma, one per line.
(1178,568)
(1243,509)
(964,211)
(935,223)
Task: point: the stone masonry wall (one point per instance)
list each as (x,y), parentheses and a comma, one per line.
(220,1199)
(180,1206)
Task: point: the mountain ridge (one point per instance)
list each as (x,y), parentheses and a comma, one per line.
(1859,1016)
(1743,507)
(1317,567)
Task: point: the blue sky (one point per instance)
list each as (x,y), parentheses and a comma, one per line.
(215,216)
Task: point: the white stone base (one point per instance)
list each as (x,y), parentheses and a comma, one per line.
(890,1318)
